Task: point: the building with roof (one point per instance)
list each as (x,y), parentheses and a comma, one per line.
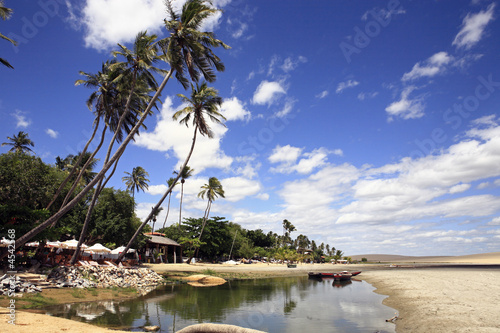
(160,249)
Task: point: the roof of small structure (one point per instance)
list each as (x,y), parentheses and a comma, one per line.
(161,240)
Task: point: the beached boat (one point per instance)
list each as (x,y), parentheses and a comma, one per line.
(342,276)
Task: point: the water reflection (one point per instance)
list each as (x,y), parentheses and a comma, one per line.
(294,304)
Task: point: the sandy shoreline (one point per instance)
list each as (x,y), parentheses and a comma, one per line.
(444,298)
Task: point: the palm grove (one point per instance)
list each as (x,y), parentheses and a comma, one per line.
(124,94)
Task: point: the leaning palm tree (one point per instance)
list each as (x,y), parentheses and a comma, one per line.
(20,143)
(203,103)
(136,180)
(184,37)
(185,173)
(5,14)
(171,183)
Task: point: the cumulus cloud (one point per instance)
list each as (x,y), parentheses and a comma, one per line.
(288,159)
(129,18)
(377,201)
(238,188)
(406,107)
(347,84)
(171,137)
(435,65)
(234,109)
(473,27)
(53,134)
(267,92)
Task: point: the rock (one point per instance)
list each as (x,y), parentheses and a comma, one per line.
(151,328)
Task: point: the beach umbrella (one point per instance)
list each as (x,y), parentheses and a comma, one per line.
(120,249)
(32,244)
(98,248)
(71,244)
(56,244)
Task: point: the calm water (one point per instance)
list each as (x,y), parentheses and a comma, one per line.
(294,304)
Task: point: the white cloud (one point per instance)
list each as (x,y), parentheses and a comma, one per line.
(285,154)
(459,188)
(238,188)
(129,18)
(21,120)
(374,203)
(53,134)
(157,189)
(494,222)
(322,94)
(362,96)
(267,92)
(287,157)
(435,65)
(290,64)
(234,109)
(170,136)
(345,85)
(406,108)
(473,27)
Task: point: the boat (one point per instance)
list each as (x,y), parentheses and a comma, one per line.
(342,276)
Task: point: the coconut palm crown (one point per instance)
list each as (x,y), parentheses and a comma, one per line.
(20,143)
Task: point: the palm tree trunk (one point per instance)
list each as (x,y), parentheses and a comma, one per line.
(168,209)
(65,181)
(85,227)
(180,207)
(205,218)
(35,231)
(150,216)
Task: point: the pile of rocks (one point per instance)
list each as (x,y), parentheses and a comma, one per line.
(143,279)
(104,277)
(12,285)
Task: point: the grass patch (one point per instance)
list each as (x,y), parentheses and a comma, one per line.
(78,293)
(93,291)
(36,300)
(209,271)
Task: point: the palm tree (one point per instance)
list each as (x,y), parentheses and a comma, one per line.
(186,173)
(211,191)
(203,103)
(183,37)
(137,180)
(5,14)
(20,143)
(156,212)
(171,183)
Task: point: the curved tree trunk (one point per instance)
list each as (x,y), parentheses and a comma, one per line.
(35,231)
(168,209)
(150,216)
(65,181)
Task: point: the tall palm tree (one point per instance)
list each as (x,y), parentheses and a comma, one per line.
(186,173)
(137,180)
(203,103)
(201,57)
(5,14)
(20,143)
(211,191)
(171,183)
(156,212)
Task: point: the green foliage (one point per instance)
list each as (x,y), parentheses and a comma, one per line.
(26,187)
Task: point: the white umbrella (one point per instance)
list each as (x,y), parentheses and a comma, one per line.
(120,249)
(71,244)
(98,248)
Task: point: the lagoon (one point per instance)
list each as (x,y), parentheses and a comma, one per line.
(278,305)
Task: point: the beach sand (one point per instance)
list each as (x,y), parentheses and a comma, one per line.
(438,298)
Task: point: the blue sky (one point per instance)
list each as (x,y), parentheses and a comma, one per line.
(371,125)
